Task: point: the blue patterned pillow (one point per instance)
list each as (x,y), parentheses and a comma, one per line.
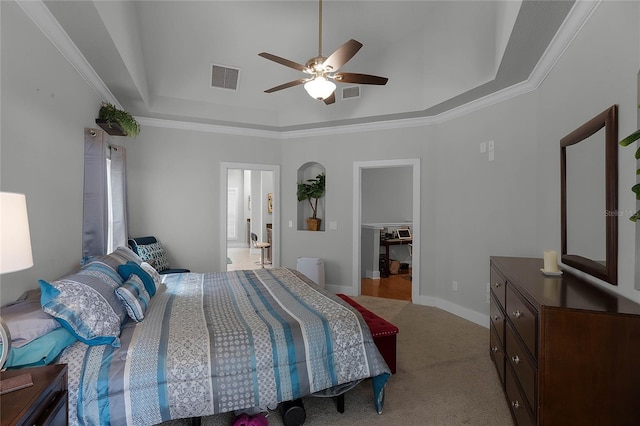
(134,296)
(154,252)
(132,268)
(85,303)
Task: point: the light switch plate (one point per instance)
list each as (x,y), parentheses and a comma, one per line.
(333,225)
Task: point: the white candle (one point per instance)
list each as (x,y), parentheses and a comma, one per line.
(551,260)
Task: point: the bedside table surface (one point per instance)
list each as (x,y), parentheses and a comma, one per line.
(21,404)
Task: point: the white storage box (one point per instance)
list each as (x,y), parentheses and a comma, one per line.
(312,267)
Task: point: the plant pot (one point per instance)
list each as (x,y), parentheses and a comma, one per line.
(113,128)
(313,224)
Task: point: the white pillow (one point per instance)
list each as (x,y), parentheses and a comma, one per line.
(157,280)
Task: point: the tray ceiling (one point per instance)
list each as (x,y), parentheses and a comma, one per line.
(156,57)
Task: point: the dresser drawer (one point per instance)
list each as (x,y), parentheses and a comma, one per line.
(496,350)
(57,413)
(524,371)
(498,286)
(519,408)
(497,319)
(524,318)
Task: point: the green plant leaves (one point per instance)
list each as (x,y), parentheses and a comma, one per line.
(631,139)
(312,188)
(110,113)
(635,188)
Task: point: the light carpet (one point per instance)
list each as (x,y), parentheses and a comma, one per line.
(444,377)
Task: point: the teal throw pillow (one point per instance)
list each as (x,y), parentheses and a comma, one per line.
(129,268)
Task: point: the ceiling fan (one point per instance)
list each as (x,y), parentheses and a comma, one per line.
(324,69)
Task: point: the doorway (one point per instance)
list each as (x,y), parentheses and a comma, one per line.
(410,169)
(250,205)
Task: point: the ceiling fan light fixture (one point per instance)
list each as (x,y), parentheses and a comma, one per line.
(320,88)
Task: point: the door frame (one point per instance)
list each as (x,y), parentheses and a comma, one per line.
(358,166)
(224,170)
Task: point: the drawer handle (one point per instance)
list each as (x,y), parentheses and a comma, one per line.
(515,359)
(496,317)
(496,285)
(515,404)
(517,314)
(494,349)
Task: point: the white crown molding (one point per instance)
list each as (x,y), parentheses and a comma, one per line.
(207,128)
(575,20)
(51,28)
(569,29)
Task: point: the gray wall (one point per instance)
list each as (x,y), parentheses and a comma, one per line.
(470,208)
(598,70)
(174,185)
(386,194)
(45,107)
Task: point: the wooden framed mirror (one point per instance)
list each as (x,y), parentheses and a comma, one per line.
(589,197)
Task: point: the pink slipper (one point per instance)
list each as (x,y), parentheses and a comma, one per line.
(258,420)
(242,420)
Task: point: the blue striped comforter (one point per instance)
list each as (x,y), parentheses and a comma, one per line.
(217,342)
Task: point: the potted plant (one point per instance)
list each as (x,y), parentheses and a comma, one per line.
(308,190)
(117,122)
(635,188)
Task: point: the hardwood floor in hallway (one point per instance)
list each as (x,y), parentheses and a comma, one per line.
(394,287)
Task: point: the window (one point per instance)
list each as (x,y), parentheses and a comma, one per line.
(104,225)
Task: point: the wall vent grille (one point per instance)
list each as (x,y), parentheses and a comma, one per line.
(224,77)
(351,92)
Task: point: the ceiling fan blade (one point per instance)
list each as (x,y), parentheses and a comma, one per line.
(350,77)
(286,85)
(331,99)
(342,55)
(283,61)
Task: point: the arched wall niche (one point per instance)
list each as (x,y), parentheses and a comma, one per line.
(306,171)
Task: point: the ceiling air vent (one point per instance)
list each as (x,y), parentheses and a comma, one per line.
(351,92)
(224,77)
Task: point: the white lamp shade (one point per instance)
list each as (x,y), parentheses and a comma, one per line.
(320,88)
(15,240)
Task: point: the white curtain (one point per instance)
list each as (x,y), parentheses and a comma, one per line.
(118,198)
(104,224)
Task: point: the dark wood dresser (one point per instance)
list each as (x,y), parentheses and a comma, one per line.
(566,351)
(44,403)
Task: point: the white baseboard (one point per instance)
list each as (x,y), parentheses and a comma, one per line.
(374,275)
(460,311)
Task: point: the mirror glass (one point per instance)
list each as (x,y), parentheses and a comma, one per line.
(589,176)
(586,234)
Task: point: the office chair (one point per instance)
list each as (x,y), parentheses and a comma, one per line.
(261,245)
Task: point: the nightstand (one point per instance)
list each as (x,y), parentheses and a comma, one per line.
(44,403)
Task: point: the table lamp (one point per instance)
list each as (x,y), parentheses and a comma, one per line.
(15,255)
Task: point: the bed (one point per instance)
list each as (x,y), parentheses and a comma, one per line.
(217,342)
